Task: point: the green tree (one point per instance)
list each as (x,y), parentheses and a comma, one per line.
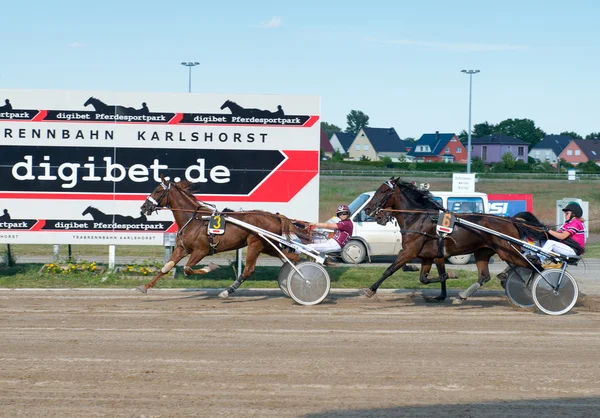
(593,135)
(572,134)
(479,130)
(483,129)
(410,140)
(508,161)
(330,128)
(387,161)
(477,165)
(524,129)
(337,156)
(356,120)
(589,167)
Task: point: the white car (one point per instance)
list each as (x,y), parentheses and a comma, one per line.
(371,239)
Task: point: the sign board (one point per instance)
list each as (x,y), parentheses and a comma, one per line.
(510,204)
(463,183)
(76,166)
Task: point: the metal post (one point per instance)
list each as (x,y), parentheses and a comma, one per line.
(470,72)
(8,256)
(69,253)
(111,256)
(190,65)
(55,252)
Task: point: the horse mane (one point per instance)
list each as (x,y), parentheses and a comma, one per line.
(418,197)
(529,226)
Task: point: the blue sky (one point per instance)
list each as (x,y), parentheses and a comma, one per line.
(397,61)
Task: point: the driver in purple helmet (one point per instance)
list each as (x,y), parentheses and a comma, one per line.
(343,231)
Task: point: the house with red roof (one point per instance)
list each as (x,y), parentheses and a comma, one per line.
(326,148)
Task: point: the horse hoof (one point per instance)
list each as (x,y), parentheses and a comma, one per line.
(212,266)
(457,301)
(367,292)
(142,289)
(224,294)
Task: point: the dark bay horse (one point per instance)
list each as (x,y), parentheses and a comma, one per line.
(193,238)
(416,212)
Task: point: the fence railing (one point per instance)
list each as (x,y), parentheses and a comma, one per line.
(392,172)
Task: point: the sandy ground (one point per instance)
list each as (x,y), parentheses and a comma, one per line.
(186,353)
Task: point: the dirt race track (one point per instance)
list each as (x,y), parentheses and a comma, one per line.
(187,353)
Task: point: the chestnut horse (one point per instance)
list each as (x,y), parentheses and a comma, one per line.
(193,237)
(416,212)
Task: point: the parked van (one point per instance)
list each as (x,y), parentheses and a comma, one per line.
(371,239)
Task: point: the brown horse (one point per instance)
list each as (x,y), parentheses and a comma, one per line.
(416,212)
(193,237)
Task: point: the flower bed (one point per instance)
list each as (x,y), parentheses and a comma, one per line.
(72,268)
(133,270)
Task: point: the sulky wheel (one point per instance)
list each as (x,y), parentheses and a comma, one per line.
(282,277)
(516,287)
(311,289)
(550,299)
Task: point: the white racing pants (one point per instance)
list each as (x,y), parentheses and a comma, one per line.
(329,246)
(558,247)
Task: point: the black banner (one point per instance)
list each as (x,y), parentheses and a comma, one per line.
(132,170)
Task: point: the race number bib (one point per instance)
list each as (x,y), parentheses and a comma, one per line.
(445,222)
(216,225)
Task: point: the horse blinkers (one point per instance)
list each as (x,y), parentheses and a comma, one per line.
(152,204)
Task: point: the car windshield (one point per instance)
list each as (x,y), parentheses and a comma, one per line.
(465,204)
(358,202)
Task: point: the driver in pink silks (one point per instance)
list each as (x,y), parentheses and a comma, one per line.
(343,232)
(569,239)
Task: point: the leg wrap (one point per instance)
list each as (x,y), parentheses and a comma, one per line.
(167,267)
(472,289)
(235,285)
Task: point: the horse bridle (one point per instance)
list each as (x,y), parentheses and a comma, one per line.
(379,206)
(155,202)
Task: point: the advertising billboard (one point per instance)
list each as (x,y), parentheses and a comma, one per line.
(77,165)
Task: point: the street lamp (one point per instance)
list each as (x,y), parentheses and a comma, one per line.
(470,72)
(190,65)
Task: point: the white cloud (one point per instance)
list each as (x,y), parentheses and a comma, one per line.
(76,45)
(274,22)
(457,46)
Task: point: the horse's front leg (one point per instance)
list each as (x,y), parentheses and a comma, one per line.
(403,257)
(177,255)
(255,247)
(194,259)
(443,276)
(482,260)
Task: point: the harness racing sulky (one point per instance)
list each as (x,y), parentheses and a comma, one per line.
(431,232)
(203,231)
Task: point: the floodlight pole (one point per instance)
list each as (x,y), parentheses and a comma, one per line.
(470,72)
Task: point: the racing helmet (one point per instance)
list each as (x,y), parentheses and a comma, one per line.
(574,208)
(342,208)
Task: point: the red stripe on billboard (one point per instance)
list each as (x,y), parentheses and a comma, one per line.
(176,119)
(311,121)
(38,225)
(40,116)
